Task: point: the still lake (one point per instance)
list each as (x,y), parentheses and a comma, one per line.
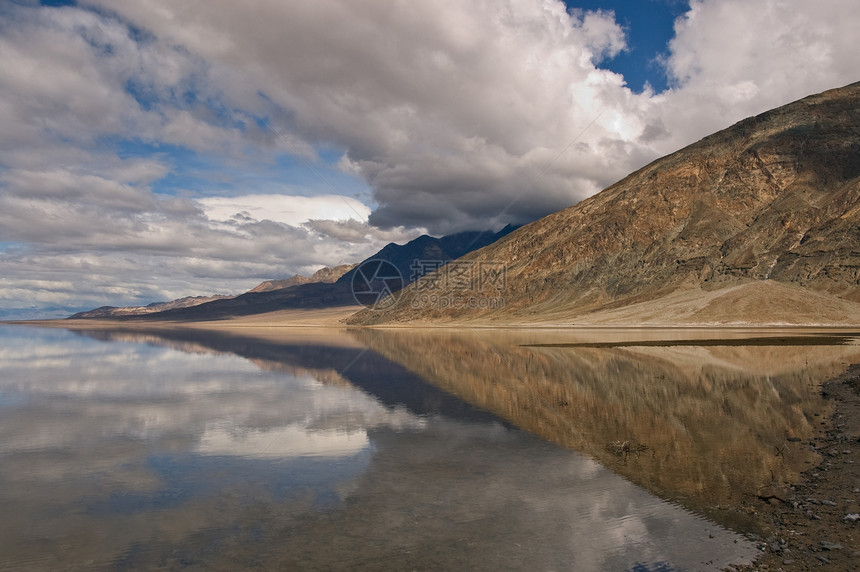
(302,449)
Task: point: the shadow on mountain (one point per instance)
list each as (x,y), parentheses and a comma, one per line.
(302,297)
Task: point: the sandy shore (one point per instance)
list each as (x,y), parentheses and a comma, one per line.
(336,318)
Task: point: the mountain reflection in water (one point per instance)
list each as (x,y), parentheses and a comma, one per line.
(304,449)
(721,420)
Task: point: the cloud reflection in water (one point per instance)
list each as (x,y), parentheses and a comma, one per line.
(158,449)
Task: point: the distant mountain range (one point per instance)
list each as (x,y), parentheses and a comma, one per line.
(328,287)
(758,223)
(325,275)
(117,312)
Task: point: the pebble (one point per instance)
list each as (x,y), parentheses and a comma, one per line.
(852,517)
(828,503)
(830,545)
(788,562)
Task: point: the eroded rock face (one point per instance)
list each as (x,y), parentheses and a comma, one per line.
(775,197)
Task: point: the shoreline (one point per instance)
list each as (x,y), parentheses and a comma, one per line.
(334,319)
(809,525)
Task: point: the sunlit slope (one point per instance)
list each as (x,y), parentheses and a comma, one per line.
(767,211)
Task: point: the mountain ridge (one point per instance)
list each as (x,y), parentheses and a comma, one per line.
(324,294)
(327,274)
(154,307)
(774,198)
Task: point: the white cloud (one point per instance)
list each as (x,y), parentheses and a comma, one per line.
(440,106)
(281,443)
(730,61)
(357,232)
(286,209)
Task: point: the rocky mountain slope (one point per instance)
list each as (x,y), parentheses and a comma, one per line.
(758,223)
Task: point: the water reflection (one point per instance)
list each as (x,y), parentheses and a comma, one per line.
(721,421)
(183,449)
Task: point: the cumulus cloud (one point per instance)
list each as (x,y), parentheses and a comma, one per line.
(730,60)
(450,111)
(286,209)
(152,135)
(357,232)
(460,114)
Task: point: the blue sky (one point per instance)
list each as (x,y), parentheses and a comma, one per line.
(648,25)
(162,149)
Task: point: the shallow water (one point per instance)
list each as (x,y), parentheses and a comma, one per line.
(373,450)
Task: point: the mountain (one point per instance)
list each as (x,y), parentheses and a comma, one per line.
(115,312)
(430,252)
(758,223)
(269,285)
(326,294)
(322,275)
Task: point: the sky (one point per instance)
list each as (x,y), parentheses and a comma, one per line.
(153,149)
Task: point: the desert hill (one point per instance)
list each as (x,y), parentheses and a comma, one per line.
(758,223)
